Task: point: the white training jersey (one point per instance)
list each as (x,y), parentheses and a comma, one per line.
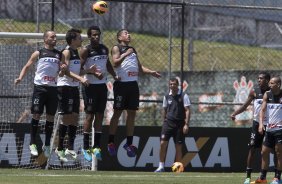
(257,105)
(48,66)
(74,66)
(99,57)
(129,68)
(274,110)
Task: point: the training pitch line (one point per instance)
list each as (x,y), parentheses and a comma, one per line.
(177,175)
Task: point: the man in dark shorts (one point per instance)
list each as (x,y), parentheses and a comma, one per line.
(95,95)
(126,90)
(272,108)
(69,99)
(256,139)
(176,121)
(49,62)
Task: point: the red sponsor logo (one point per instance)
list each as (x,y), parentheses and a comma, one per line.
(49,78)
(132,74)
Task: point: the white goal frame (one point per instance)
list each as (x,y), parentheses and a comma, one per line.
(35,38)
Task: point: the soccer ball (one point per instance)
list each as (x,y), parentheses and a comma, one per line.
(177,167)
(100,7)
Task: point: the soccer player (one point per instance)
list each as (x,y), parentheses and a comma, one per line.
(95,95)
(176,115)
(272,107)
(126,91)
(49,61)
(256,139)
(68,94)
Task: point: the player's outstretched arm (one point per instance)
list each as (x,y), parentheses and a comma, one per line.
(245,105)
(151,72)
(33,58)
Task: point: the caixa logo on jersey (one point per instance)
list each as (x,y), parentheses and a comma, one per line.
(76,62)
(259,101)
(218,153)
(51,60)
(100,57)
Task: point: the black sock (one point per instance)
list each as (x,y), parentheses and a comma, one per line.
(249,172)
(275,171)
(263,174)
(278,174)
(62,134)
(86,140)
(97,138)
(33,130)
(111,139)
(129,140)
(71,136)
(48,132)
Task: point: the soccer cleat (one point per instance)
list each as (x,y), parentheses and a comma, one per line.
(160,169)
(33,150)
(46,150)
(130,149)
(97,153)
(112,149)
(247,181)
(87,154)
(72,153)
(259,181)
(61,155)
(275,181)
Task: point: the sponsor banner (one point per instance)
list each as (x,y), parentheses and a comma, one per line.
(205,149)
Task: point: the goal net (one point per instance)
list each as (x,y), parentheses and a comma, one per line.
(15,50)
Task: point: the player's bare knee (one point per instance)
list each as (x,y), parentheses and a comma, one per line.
(50,118)
(89,117)
(36,116)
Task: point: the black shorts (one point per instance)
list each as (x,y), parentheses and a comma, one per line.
(95,98)
(44,96)
(173,129)
(272,138)
(126,95)
(69,100)
(256,138)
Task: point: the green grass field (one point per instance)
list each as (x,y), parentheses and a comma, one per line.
(29,176)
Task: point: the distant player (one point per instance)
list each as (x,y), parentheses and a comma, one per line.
(272,108)
(176,121)
(256,139)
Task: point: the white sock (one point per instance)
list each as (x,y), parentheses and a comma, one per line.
(161,165)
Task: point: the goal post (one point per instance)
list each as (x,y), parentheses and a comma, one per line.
(15,50)
(31,35)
